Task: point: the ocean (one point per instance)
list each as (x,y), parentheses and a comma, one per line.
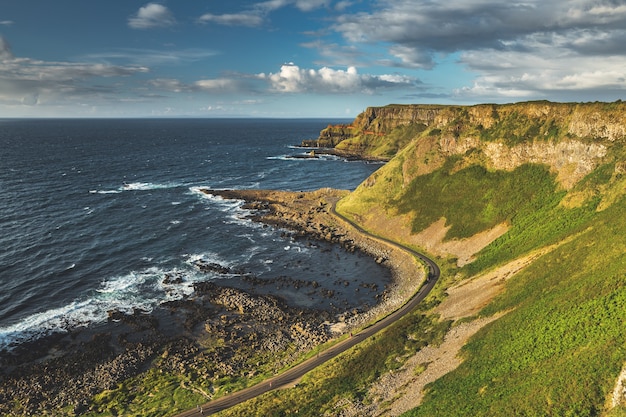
(96,214)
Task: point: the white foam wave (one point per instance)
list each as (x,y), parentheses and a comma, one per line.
(138,290)
(207,258)
(105,191)
(229,205)
(51,321)
(146,186)
(137,186)
(301,147)
(306,157)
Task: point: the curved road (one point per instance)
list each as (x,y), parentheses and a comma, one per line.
(294,374)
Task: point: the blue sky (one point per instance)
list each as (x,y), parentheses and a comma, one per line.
(302,58)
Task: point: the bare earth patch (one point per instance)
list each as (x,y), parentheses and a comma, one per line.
(397,392)
(431,238)
(462,249)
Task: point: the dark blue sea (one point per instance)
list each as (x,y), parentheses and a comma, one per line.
(94,214)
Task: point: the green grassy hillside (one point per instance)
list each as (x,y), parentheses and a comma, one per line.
(553,174)
(559,349)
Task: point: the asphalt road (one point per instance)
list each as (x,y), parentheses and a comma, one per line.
(294,374)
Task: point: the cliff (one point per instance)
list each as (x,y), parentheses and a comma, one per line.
(570,141)
(380,132)
(524,205)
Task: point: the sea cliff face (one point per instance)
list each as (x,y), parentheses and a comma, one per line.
(428,145)
(380,132)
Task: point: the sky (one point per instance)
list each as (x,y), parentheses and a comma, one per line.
(302,58)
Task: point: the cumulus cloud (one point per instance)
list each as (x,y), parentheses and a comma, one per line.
(515,48)
(293,79)
(152,15)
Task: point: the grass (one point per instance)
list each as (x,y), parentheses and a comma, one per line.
(383,147)
(559,349)
(558,352)
(346,378)
(161,391)
(475,199)
(153,393)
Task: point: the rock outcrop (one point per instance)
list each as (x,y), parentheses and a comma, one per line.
(380,132)
(572,140)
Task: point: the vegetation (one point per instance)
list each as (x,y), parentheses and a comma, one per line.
(561,347)
(377,146)
(346,378)
(162,391)
(562,342)
(150,394)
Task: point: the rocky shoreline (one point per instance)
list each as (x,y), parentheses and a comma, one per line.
(213,334)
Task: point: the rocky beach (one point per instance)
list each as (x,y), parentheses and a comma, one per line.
(221,331)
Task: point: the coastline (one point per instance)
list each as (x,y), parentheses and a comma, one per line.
(69,369)
(308,213)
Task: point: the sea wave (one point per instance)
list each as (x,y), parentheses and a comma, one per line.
(138,186)
(105,191)
(306,157)
(193,259)
(146,186)
(225,205)
(136,291)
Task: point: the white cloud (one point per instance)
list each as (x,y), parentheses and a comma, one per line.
(215,85)
(308,5)
(343,5)
(411,57)
(249,19)
(169,84)
(152,15)
(518,48)
(418,28)
(152,57)
(303,5)
(256,15)
(293,79)
(27,81)
(6,22)
(552,73)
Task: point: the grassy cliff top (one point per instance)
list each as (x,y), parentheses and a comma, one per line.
(382,131)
